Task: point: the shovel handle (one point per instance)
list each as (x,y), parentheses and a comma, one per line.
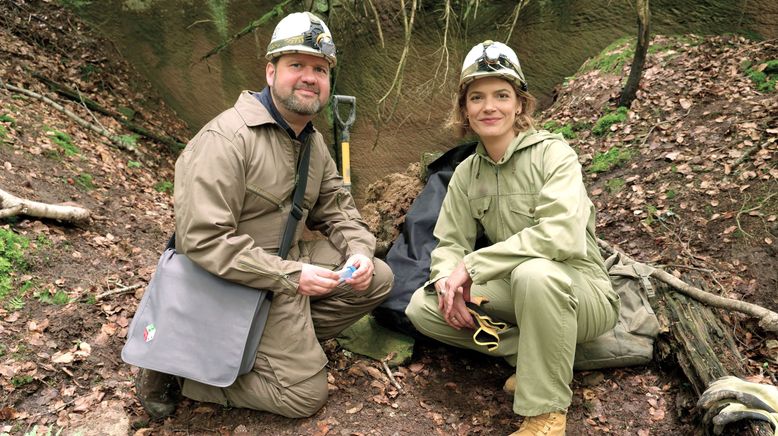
(344,125)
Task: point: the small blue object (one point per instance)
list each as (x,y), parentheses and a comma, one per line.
(347,272)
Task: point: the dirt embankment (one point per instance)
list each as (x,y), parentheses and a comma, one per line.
(695,193)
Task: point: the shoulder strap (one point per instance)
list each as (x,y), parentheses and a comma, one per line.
(296,213)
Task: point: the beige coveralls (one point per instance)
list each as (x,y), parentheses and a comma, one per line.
(543,274)
(233,189)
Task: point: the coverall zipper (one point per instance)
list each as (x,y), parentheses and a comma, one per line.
(284,277)
(264,194)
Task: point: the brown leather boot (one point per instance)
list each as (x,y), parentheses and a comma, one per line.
(548,424)
(510,385)
(159,393)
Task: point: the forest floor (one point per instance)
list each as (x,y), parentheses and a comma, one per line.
(686,179)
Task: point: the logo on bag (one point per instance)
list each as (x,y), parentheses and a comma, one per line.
(148,333)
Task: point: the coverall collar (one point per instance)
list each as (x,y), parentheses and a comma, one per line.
(522,140)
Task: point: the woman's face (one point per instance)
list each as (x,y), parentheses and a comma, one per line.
(491,104)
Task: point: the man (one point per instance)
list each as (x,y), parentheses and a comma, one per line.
(233,194)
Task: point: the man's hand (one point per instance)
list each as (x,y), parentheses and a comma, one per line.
(315,280)
(363,276)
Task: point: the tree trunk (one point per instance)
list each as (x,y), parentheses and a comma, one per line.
(631,88)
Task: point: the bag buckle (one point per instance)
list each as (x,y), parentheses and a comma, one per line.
(297,211)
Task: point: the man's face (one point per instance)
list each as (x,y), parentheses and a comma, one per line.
(300,83)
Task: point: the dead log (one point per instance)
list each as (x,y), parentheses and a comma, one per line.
(696,339)
(11,205)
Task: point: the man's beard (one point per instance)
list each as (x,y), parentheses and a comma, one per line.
(292,103)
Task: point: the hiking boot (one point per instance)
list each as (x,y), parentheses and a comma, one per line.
(510,384)
(159,393)
(548,424)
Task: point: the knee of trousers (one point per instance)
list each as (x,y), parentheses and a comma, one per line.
(305,398)
(537,275)
(383,278)
(416,309)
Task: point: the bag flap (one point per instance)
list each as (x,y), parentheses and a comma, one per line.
(193,324)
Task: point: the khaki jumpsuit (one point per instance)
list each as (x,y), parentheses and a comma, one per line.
(233,188)
(543,274)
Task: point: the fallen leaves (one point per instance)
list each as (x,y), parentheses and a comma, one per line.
(79,352)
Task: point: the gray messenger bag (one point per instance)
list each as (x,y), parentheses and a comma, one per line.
(193,324)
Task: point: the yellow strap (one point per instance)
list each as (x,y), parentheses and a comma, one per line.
(488,327)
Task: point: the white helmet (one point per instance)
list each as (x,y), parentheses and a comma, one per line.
(491,58)
(302,32)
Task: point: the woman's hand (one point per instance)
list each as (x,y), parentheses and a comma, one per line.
(453,292)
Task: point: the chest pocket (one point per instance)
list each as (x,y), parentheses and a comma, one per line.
(522,214)
(263,200)
(479,207)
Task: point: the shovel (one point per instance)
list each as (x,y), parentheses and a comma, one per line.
(343,126)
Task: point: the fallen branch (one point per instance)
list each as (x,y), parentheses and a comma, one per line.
(121,290)
(76,96)
(11,205)
(391,376)
(118,143)
(768,319)
(745,156)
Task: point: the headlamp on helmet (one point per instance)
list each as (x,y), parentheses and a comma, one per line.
(317,39)
(302,32)
(491,58)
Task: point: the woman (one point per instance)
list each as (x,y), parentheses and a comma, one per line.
(541,286)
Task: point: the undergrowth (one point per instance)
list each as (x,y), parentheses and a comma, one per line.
(12,247)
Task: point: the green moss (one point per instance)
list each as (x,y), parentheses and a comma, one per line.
(59,298)
(130,140)
(613,58)
(74,4)
(127,112)
(603,162)
(566,130)
(12,247)
(670,194)
(134,164)
(217,9)
(763,75)
(615,185)
(85,181)
(164,186)
(21,380)
(65,142)
(602,126)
